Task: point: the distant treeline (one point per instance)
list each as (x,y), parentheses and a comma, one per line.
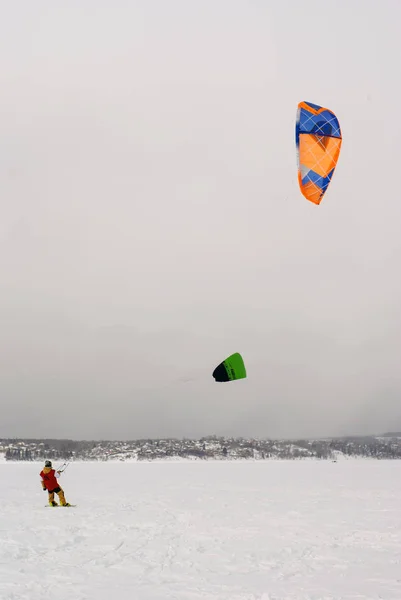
(211,447)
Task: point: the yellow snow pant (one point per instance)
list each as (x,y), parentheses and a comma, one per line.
(60,494)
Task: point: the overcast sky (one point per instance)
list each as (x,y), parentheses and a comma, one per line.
(152,224)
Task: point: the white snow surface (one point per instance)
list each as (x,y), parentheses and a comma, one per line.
(266,530)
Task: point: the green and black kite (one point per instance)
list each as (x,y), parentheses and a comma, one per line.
(230,369)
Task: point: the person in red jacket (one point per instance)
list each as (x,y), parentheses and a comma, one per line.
(49,482)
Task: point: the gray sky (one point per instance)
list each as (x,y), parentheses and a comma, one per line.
(152,222)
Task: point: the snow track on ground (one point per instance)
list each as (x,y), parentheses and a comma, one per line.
(268,530)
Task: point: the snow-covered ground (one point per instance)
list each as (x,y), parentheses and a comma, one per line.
(268,530)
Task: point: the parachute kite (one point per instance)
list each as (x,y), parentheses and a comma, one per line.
(230,369)
(318,141)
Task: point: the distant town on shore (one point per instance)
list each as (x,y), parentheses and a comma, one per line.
(385,446)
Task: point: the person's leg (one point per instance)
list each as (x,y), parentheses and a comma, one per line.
(60,494)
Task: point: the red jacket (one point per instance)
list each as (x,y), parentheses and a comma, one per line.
(49,480)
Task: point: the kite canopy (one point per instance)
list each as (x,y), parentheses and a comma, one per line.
(318,143)
(230,369)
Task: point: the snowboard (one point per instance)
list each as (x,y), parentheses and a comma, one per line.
(60,506)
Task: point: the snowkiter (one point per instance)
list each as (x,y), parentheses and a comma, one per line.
(49,482)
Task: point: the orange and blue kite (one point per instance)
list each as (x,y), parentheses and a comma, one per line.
(318,141)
